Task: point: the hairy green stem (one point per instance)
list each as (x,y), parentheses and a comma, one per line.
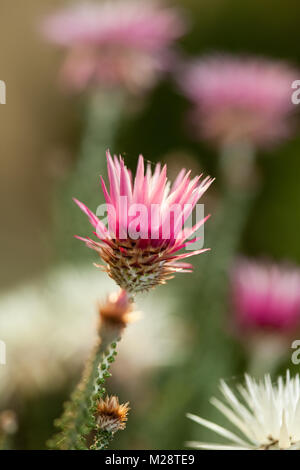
(78,419)
(102,438)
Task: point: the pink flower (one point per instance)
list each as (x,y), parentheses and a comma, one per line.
(146,224)
(239,98)
(266,296)
(119,42)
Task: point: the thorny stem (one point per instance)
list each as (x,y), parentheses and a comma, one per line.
(102,438)
(78,420)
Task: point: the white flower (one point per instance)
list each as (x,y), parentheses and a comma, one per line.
(266,415)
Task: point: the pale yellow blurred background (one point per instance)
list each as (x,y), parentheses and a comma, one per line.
(36,129)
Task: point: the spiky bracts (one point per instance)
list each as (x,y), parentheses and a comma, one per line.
(111,415)
(135,269)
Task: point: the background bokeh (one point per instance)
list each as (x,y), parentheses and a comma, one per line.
(40,135)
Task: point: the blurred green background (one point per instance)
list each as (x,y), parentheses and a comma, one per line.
(40,134)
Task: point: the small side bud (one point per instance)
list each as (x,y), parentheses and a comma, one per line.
(110,415)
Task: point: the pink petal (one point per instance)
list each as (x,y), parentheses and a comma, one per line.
(188,255)
(113,180)
(99,226)
(139,179)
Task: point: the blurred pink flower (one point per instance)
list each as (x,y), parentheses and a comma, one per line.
(120,42)
(239,99)
(266,296)
(146,220)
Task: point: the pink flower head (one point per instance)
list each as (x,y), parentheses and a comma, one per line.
(119,42)
(146,217)
(239,98)
(266,296)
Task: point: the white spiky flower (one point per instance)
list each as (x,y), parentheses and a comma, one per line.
(267,416)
